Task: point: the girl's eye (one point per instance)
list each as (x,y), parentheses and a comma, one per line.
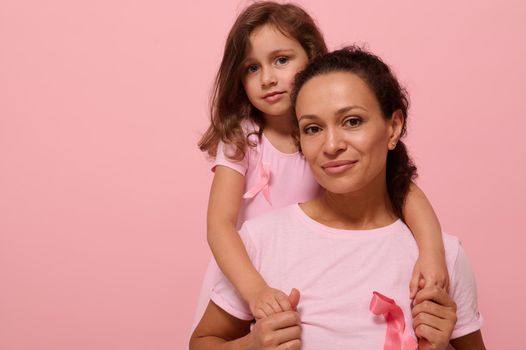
(282,60)
(252,68)
(311,130)
(353,122)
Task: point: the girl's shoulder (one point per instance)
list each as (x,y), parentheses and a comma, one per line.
(249,127)
(228,153)
(253,135)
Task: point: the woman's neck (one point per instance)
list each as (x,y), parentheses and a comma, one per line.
(367,208)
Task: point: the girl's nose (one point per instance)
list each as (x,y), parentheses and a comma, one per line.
(334,142)
(268,78)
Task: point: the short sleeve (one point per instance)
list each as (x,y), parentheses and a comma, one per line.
(222,158)
(463,290)
(225,295)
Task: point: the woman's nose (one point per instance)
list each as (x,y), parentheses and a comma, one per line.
(334,142)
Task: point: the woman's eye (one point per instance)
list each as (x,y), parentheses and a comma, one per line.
(310,130)
(353,122)
(282,60)
(252,68)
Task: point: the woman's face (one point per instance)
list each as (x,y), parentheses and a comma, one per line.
(343,133)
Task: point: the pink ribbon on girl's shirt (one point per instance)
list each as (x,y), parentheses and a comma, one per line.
(396,337)
(262,184)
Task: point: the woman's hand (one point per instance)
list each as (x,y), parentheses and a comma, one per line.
(280,330)
(220,330)
(268,301)
(434,318)
(430,270)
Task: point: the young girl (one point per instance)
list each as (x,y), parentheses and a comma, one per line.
(258,166)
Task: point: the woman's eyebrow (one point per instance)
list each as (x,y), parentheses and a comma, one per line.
(308,116)
(349,108)
(340,111)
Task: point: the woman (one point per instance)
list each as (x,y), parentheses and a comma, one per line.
(349,242)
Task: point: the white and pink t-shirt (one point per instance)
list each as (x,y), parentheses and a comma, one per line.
(273,179)
(336,272)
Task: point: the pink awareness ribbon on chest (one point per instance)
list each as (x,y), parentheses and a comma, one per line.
(396,337)
(262,185)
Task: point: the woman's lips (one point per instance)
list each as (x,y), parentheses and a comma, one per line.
(339,166)
(274,96)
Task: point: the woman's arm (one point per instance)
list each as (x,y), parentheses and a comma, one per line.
(216,328)
(220,330)
(472,341)
(421,219)
(228,248)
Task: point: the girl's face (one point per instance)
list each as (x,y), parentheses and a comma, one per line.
(343,133)
(270,65)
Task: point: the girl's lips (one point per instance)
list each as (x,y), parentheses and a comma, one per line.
(274,96)
(338,167)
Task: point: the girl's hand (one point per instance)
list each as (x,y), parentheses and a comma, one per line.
(268,301)
(430,270)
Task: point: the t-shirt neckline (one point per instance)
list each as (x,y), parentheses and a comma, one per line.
(318,227)
(265,139)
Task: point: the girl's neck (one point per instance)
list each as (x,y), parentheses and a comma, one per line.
(278,130)
(281,124)
(367,208)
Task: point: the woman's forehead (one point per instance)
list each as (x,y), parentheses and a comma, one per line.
(332,92)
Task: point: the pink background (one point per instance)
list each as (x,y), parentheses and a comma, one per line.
(103,191)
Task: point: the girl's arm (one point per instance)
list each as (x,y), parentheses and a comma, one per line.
(228,248)
(421,219)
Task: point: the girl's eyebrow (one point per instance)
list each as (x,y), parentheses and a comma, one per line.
(271,54)
(275,52)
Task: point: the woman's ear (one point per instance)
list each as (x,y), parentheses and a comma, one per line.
(396,124)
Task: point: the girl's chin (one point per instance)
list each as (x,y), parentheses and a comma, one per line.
(278,113)
(278,110)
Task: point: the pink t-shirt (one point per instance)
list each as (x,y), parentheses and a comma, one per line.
(289,181)
(336,272)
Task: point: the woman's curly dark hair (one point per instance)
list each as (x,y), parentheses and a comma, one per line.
(391,97)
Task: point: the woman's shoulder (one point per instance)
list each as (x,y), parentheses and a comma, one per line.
(455,254)
(275,218)
(451,244)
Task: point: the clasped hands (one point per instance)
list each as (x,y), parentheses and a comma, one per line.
(278,321)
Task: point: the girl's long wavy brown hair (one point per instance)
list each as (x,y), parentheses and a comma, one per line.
(229,104)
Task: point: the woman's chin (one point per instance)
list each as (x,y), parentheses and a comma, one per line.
(340,188)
